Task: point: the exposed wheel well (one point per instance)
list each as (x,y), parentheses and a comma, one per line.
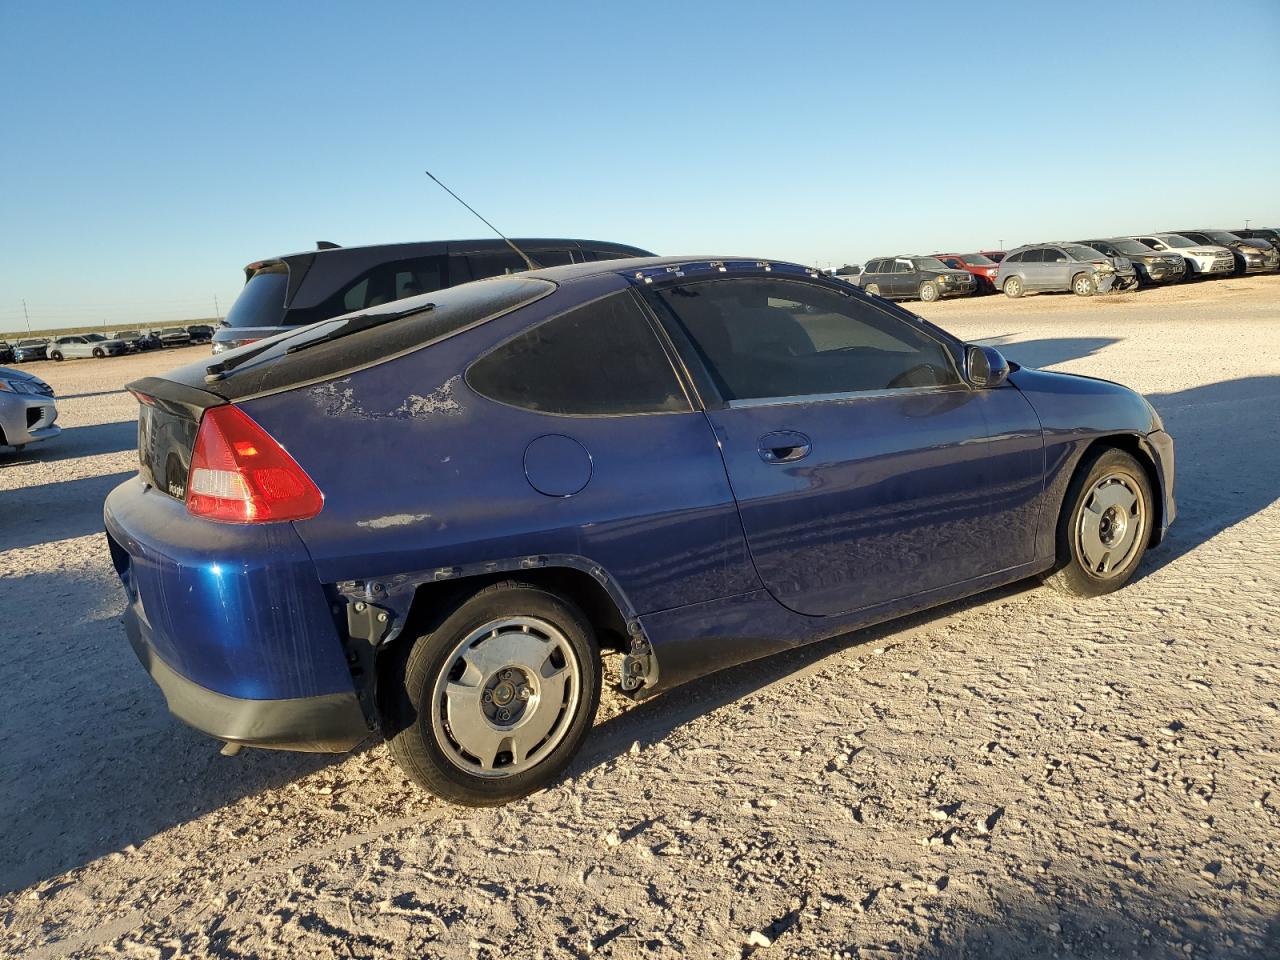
(432,602)
(1131,445)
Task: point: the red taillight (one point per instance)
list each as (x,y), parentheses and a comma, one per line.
(239,474)
(143,398)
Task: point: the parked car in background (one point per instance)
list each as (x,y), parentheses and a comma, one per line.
(692,462)
(32,349)
(174,336)
(994,255)
(1203,259)
(138,341)
(1269,234)
(980,265)
(6,352)
(1152,266)
(848,270)
(27,409)
(301,288)
(200,332)
(922,278)
(1058,267)
(85,345)
(1251,256)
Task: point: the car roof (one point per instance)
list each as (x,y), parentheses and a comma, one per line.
(633,265)
(426,247)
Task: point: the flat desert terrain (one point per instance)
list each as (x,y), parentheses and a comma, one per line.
(1016,775)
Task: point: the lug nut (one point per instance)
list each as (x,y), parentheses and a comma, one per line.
(504,715)
(524,693)
(487,697)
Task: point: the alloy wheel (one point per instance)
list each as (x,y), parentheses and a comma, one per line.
(506,696)
(1111,525)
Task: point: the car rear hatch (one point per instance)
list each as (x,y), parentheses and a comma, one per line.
(259,310)
(171,407)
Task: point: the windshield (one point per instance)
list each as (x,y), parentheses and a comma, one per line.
(261,302)
(1221,236)
(929,263)
(30,343)
(978,260)
(94,337)
(1077,252)
(1176,240)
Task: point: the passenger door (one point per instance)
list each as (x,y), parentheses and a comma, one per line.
(1033,268)
(1058,268)
(904,278)
(864,468)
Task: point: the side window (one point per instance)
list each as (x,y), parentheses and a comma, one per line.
(764,339)
(387,282)
(954,262)
(1013,258)
(1054,255)
(600,359)
(550,258)
(875,266)
(1034,256)
(901,266)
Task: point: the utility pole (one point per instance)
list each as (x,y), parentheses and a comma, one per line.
(217,312)
(1246,224)
(27,316)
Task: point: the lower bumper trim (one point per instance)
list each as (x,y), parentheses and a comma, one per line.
(332,723)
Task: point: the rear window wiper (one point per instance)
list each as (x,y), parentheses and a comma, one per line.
(218,371)
(359,323)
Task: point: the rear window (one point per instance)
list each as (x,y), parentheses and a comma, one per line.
(261,302)
(600,359)
(455,309)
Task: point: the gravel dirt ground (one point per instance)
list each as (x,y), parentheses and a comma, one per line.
(1016,775)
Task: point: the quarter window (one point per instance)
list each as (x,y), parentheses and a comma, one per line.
(1013,258)
(600,359)
(763,339)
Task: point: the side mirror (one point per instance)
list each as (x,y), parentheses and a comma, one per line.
(985,367)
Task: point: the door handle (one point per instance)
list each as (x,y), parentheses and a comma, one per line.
(785,446)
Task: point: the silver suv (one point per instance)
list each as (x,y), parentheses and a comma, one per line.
(1059,267)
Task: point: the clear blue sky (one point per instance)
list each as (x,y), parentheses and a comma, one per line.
(150,151)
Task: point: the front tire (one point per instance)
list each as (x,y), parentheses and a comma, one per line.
(493,703)
(57,356)
(1013,287)
(1083,285)
(99,353)
(929,291)
(1105,525)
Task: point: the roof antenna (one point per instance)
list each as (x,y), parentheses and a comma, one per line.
(523,256)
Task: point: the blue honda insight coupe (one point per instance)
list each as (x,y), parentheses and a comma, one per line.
(429,519)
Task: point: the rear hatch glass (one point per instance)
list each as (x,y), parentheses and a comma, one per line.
(166,437)
(261,302)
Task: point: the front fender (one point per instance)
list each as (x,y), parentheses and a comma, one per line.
(1077,411)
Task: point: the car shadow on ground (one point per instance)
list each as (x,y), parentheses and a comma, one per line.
(1017,925)
(1227,450)
(48,512)
(74,443)
(1048,351)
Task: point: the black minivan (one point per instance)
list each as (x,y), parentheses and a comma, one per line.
(302,288)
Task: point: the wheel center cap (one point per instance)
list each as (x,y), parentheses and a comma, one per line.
(504,693)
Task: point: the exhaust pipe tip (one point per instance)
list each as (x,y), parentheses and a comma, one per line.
(231,749)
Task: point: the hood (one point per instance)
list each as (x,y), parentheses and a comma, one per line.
(1082,395)
(9,373)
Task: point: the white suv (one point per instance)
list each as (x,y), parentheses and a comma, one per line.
(1203,259)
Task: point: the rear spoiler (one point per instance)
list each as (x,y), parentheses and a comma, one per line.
(179,397)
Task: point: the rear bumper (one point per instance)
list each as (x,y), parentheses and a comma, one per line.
(331,723)
(232,624)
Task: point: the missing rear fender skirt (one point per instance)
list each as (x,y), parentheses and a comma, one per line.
(493,703)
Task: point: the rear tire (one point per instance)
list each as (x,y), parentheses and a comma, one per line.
(929,291)
(1104,527)
(1083,285)
(873,289)
(56,355)
(1013,287)
(493,703)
